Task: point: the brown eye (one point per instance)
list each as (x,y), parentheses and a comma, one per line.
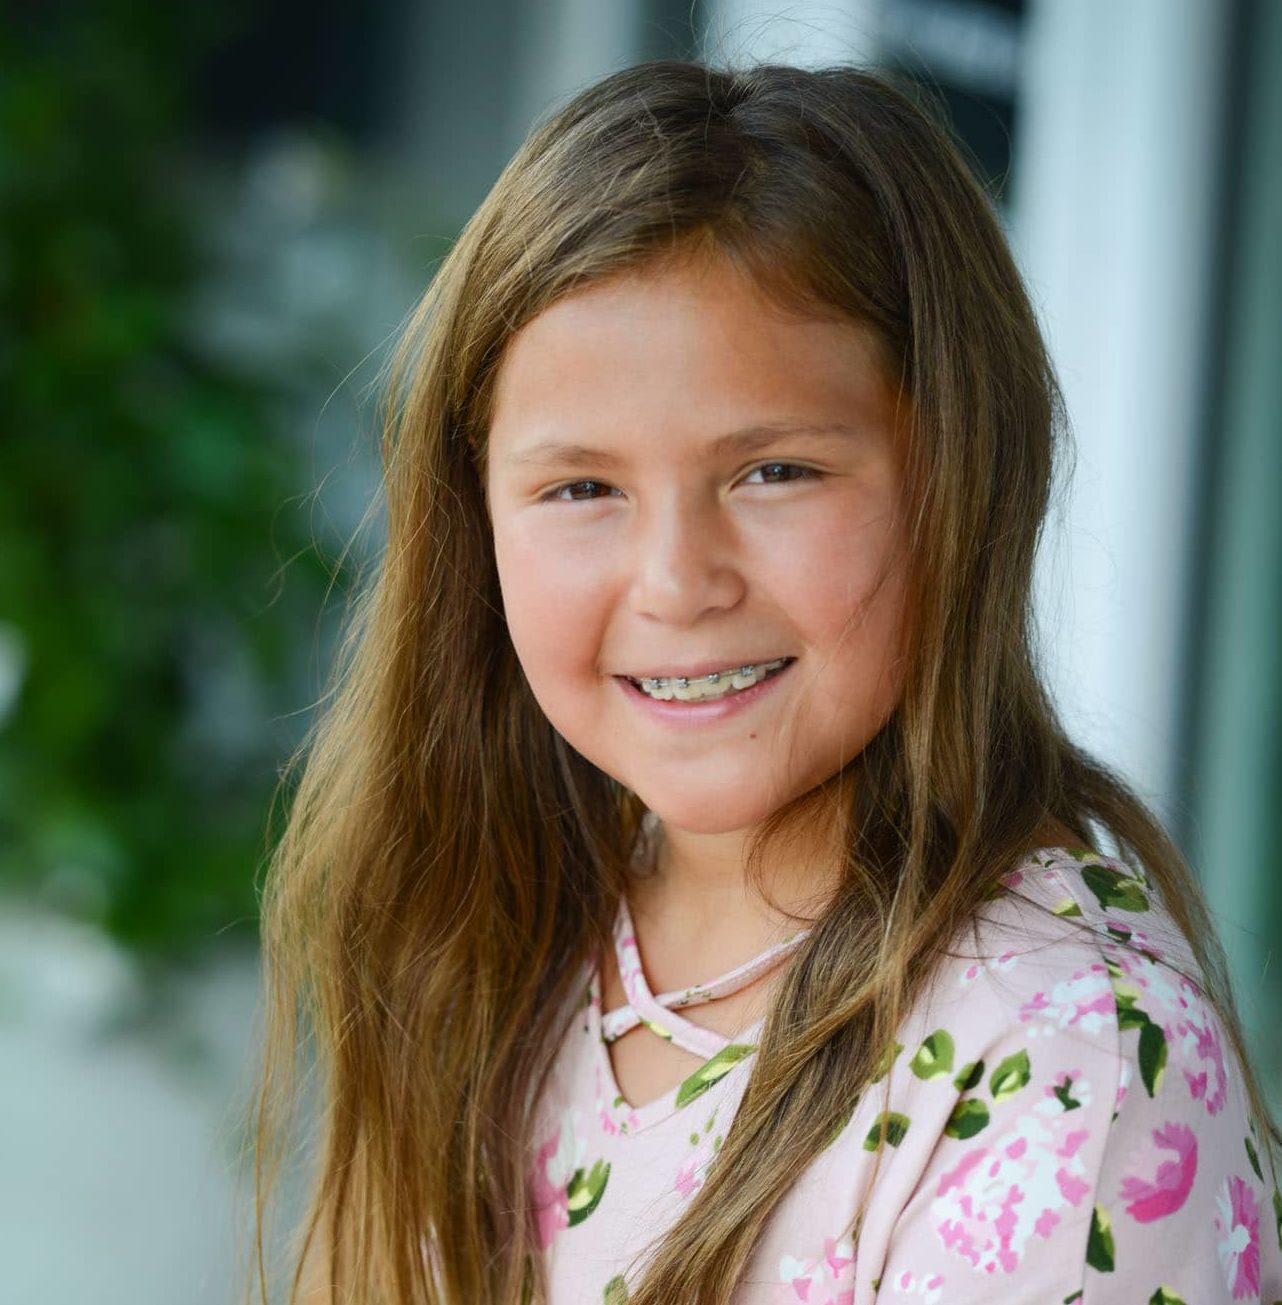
(579,491)
(779,473)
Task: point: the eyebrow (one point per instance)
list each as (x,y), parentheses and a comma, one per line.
(746,440)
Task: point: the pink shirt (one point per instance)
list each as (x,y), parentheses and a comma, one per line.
(1065,1124)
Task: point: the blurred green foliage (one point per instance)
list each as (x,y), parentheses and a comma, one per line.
(145,504)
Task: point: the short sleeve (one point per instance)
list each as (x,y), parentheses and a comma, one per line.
(1099,1151)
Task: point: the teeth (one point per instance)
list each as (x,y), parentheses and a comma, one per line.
(717,684)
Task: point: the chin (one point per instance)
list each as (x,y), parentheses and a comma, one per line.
(708,812)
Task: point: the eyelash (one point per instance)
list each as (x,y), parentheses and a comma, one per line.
(556,493)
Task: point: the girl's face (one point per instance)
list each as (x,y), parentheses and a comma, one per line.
(683,482)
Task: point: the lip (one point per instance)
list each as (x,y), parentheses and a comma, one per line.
(699,669)
(695,715)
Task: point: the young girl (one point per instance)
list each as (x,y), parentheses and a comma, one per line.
(691,895)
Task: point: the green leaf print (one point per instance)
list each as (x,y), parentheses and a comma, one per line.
(1114,889)
(1277,1214)
(656,1028)
(699,1134)
(1099,1245)
(1011,1075)
(970,1075)
(1068,1300)
(970,1116)
(934,1057)
(1165,1296)
(1253,1158)
(1064,1095)
(1066,907)
(1125,995)
(1152,1056)
(583,1194)
(616,1291)
(890,1122)
(712,1071)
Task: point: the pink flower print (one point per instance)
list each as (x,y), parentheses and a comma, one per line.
(1144,942)
(829,1280)
(926,1285)
(999,964)
(1237,1222)
(690,1176)
(615,1116)
(999,1196)
(551,1207)
(1169,1188)
(1124,1075)
(629,957)
(838,1256)
(1084,1001)
(554,1165)
(604,1116)
(1190,1030)
(1158,990)
(1198,1038)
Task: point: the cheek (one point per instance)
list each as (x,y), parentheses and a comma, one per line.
(551,601)
(844,574)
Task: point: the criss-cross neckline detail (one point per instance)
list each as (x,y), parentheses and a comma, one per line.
(661,1014)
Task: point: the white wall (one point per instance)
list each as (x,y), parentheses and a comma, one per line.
(1114,191)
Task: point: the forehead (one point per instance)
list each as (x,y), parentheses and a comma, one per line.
(683,344)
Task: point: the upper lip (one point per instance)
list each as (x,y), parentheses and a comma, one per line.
(697,669)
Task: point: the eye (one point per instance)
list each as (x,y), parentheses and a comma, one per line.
(779,473)
(579,491)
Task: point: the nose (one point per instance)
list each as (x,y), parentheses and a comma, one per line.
(684,562)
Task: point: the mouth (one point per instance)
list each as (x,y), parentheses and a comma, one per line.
(723,683)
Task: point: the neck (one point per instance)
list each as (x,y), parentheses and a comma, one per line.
(699,891)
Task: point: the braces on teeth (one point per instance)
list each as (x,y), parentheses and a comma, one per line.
(682,687)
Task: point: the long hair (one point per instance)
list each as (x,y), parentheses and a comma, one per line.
(450,863)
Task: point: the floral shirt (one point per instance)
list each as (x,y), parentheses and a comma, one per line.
(1065,1124)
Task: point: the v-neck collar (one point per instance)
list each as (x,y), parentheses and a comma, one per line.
(725,1065)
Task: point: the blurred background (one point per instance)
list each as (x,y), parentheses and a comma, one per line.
(214,219)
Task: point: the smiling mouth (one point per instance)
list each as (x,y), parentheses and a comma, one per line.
(703,688)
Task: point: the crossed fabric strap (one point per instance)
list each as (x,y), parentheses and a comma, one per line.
(659,1014)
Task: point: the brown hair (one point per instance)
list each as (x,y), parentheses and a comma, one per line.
(449,862)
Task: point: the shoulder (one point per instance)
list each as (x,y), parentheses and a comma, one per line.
(1100,896)
(1083,1118)
(1063,947)
(1075,967)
